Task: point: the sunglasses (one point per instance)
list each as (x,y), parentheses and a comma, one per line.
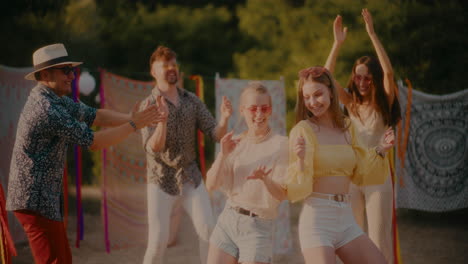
(366,79)
(263,109)
(66,70)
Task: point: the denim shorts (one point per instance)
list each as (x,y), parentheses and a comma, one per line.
(327,223)
(248,239)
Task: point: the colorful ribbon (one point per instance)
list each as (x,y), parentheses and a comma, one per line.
(201,139)
(7,247)
(103,168)
(78,171)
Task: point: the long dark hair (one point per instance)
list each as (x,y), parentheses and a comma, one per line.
(391,114)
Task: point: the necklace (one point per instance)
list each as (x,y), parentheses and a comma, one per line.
(256,139)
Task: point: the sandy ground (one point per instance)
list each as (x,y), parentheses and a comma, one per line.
(426,238)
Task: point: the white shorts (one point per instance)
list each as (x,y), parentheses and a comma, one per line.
(327,223)
(248,239)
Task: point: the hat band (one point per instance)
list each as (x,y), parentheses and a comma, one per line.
(51,62)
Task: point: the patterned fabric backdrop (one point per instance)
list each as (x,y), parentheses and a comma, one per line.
(14,91)
(231,88)
(124,170)
(435,173)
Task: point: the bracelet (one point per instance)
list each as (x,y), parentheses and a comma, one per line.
(133,124)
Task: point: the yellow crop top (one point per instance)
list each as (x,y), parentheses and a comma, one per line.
(362,165)
(334,160)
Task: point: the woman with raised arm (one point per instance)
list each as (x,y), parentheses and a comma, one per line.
(373,107)
(251,170)
(324,159)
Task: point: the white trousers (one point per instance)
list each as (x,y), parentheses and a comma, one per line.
(196,203)
(374,205)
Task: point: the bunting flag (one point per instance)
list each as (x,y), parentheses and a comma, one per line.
(124,169)
(7,246)
(14,91)
(231,88)
(396,238)
(65,196)
(104,210)
(432,151)
(201,139)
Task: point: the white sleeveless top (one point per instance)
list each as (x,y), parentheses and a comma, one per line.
(247,156)
(369,127)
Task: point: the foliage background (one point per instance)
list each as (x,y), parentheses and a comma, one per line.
(257,39)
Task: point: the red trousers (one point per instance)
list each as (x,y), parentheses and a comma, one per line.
(47,238)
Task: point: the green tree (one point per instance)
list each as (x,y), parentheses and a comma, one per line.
(425,40)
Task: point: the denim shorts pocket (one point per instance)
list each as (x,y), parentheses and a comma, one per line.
(263,225)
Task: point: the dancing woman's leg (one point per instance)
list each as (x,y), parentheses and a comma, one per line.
(379,211)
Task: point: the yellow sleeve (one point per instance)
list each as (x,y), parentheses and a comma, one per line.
(371,168)
(299,182)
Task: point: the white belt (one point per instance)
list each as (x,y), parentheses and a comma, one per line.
(333,197)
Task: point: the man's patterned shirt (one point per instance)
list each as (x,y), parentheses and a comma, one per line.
(47,125)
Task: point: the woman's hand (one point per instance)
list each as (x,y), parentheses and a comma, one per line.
(226,109)
(228,144)
(299,148)
(259,173)
(386,141)
(338,31)
(368,20)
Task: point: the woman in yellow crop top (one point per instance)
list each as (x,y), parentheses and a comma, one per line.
(324,159)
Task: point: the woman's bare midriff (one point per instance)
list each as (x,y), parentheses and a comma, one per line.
(332,184)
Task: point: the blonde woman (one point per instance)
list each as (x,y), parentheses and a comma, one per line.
(250,169)
(373,107)
(324,159)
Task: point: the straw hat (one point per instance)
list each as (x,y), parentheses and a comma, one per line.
(50,56)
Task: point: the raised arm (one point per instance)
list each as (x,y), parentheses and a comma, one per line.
(226,112)
(109,118)
(389,83)
(115,135)
(339,34)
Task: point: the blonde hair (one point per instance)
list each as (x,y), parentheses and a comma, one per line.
(252,87)
(321,75)
(256,87)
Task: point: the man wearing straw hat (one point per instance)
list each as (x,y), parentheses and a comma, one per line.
(49,122)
